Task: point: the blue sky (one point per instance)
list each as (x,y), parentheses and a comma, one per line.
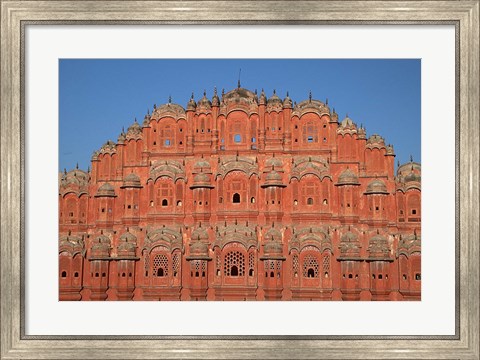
(100,96)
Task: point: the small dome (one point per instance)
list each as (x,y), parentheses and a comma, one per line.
(347,122)
(201,165)
(215,98)
(239,95)
(287,102)
(412,177)
(348,177)
(376,139)
(131,180)
(135,127)
(263,98)
(273,178)
(106,190)
(192,105)
(361,133)
(273,247)
(204,102)
(146,119)
(200,234)
(198,248)
(121,138)
(390,150)
(274,99)
(201,180)
(376,187)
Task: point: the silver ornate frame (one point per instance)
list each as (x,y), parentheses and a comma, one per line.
(15,15)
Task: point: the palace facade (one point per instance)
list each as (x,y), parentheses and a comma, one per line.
(241,197)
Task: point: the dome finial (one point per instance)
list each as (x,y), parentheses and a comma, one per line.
(411,158)
(326,101)
(274,92)
(398,163)
(287,93)
(192,96)
(204,92)
(135,119)
(310,96)
(148,111)
(223,92)
(65,171)
(215,91)
(76,167)
(169,99)
(239,73)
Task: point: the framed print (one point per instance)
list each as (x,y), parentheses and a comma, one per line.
(152,235)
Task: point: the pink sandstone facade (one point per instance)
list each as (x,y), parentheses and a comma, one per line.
(241,197)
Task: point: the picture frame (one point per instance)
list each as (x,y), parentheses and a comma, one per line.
(17,15)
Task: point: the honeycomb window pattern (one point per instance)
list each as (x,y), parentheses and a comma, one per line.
(160,265)
(147,264)
(326,262)
(234,264)
(251,260)
(310,266)
(295,263)
(176,264)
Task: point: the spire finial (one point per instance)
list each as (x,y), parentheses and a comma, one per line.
(239,73)
(169,99)
(215,90)
(135,119)
(65,171)
(148,111)
(326,101)
(204,92)
(76,167)
(411,158)
(192,96)
(223,91)
(287,93)
(398,163)
(274,92)
(310,96)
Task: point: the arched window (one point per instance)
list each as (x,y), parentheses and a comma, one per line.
(234,264)
(311,190)
(160,265)
(164,192)
(64,274)
(236,198)
(310,266)
(310,132)
(237,138)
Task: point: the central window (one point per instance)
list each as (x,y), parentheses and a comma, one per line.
(237,138)
(234,264)
(236,198)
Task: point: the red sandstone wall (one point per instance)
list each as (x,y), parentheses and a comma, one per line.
(241,198)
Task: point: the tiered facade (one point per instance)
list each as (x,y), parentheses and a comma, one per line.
(241,197)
